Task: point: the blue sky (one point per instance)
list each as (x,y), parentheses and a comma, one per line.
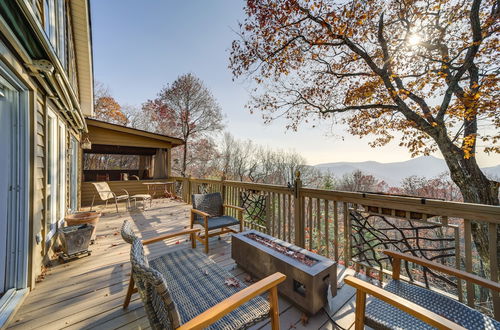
(140,46)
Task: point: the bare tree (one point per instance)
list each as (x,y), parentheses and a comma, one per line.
(187,109)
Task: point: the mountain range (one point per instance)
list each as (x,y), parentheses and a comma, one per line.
(394,173)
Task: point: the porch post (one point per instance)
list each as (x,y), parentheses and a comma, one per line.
(298,212)
(169,162)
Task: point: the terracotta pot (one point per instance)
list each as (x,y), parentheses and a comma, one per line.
(79,218)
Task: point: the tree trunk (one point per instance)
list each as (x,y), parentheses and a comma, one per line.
(184,159)
(475,188)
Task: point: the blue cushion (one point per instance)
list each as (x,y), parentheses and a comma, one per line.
(219,222)
(381,315)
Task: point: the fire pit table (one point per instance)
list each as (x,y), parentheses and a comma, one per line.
(308,275)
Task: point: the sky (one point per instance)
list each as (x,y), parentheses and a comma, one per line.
(141,46)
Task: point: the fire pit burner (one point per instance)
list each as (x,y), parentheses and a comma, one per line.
(273,244)
(308,275)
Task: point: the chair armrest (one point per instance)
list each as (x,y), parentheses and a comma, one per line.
(126,192)
(203,214)
(234,207)
(213,314)
(170,235)
(398,256)
(406,306)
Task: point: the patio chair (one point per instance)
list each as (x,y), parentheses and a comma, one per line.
(208,211)
(105,194)
(401,305)
(183,289)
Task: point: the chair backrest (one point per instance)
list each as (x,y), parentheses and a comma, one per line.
(127,232)
(208,203)
(153,289)
(103,190)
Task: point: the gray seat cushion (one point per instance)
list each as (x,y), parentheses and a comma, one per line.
(196,283)
(218,222)
(381,315)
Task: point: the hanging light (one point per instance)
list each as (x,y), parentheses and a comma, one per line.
(86,144)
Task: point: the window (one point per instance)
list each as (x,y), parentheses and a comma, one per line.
(61,20)
(74,175)
(49,11)
(56,173)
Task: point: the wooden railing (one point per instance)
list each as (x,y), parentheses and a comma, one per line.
(353,227)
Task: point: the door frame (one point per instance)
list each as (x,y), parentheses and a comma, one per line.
(18,228)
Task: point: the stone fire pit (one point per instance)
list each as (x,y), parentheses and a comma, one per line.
(308,274)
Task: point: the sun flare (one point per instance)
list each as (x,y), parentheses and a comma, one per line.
(414,39)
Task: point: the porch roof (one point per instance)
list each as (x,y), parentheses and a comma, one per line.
(120,139)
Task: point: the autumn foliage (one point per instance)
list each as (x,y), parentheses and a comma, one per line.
(426,69)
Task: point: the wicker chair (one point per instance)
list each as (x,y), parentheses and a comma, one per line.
(183,289)
(401,305)
(208,211)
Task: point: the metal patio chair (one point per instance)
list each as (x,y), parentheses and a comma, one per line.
(105,194)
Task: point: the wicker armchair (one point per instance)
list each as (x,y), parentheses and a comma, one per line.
(401,305)
(183,289)
(209,211)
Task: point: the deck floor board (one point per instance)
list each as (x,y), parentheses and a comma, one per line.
(88,293)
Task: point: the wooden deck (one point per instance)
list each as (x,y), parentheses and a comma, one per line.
(88,293)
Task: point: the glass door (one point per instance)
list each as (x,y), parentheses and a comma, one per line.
(14,191)
(9,100)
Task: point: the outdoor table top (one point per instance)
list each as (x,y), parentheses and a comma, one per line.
(158,183)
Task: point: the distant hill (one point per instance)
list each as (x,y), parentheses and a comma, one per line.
(393,173)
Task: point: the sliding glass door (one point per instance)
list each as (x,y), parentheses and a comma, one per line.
(14,189)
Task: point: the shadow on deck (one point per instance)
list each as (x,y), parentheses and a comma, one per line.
(88,293)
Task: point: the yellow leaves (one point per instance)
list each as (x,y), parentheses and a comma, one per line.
(468,145)
(434,124)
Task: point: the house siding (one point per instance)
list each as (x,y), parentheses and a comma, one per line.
(43,95)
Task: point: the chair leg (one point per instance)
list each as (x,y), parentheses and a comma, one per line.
(92,205)
(206,240)
(130,290)
(116,204)
(275,314)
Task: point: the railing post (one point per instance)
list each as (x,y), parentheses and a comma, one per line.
(298,212)
(223,188)
(186,189)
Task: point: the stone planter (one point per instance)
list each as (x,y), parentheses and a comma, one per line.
(305,285)
(80,218)
(75,239)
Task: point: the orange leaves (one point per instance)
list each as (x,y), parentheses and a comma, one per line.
(106,108)
(313,57)
(468,145)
